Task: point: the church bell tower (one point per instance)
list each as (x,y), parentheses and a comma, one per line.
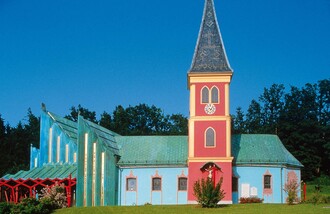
(209,153)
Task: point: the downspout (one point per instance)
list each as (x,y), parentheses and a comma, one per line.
(120,177)
(281,185)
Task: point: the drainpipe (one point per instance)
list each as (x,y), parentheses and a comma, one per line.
(281,185)
(119,189)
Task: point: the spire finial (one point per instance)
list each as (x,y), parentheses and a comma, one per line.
(43,107)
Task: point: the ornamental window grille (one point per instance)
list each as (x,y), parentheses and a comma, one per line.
(156,184)
(182,184)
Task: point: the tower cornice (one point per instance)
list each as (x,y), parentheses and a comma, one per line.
(209,77)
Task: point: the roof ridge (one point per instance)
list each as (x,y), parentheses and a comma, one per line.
(99,130)
(60,124)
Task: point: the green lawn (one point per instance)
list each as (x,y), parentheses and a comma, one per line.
(325,190)
(191,209)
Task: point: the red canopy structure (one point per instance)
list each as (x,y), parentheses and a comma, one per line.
(13,188)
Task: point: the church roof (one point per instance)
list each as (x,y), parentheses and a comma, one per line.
(250,149)
(247,149)
(50,171)
(69,127)
(106,137)
(210,54)
(152,150)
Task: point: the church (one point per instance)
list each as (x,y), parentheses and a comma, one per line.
(100,167)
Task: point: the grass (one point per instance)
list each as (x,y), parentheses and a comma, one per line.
(191,209)
(325,189)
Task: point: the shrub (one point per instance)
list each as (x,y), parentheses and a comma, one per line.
(5,207)
(147,204)
(247,200)
(318,198)
(54,197)
(291,188)
(26,206)
(207,194)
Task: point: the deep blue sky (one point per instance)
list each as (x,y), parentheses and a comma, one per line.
(104,53)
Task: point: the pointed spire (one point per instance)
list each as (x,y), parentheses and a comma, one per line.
(210,54)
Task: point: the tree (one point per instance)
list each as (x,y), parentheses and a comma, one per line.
(18,150)
(105,120)
(254,118)
(272,100)
(33,129)
(84,112)
(2,130)
(177,124)
(145,120)
(120,123)
(299,128)
(323,101)
(4,148)
(301,118)
(15,146)
(239,122)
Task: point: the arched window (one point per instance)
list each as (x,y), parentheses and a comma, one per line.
(205,95)
(214,95)
(210,137)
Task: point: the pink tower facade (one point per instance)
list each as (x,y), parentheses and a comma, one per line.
(209,152)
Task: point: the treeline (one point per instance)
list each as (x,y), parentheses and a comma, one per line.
(300,117)
(15,143)
(134,120)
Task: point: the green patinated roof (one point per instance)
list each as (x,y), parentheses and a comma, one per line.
(152,150)
(261,149)
(258,149)
(106,136)
(69,127)
(47,171)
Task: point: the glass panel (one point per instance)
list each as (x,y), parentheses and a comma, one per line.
(210,137)
(205,95)
(182,183)
(131,184)
(267,182)
(214,95)
(156,183)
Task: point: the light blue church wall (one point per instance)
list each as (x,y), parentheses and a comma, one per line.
(251,182)
(168,194)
